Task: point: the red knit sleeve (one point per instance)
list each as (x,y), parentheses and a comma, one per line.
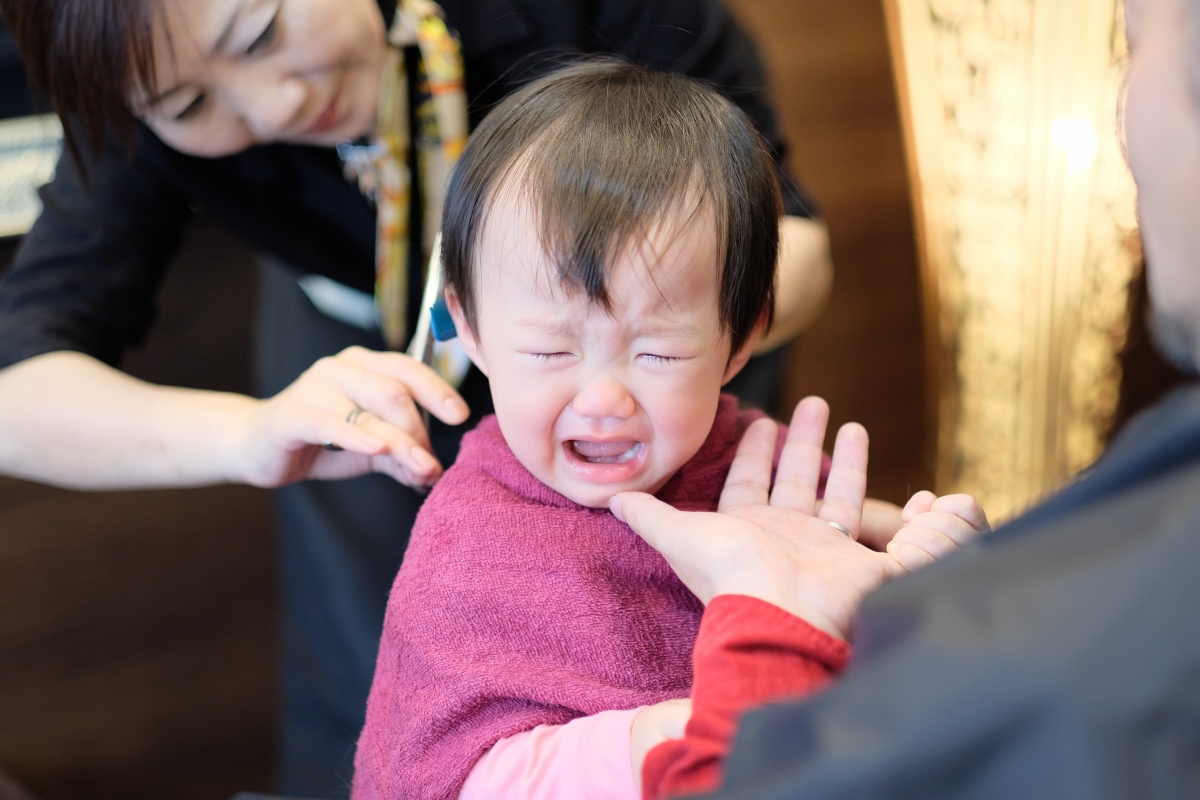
(748,652)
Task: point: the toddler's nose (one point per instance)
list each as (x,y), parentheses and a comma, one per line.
(604,397)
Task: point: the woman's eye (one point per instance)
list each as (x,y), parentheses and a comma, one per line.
(192,109)
(265,38)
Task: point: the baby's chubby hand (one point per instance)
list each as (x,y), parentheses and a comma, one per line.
(654,725)
(936,526)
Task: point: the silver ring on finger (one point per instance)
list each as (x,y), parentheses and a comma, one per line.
(352,418)
(837,526)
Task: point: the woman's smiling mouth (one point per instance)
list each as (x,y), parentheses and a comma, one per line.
(326,120)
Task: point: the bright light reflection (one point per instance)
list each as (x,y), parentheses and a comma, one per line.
(1076,138)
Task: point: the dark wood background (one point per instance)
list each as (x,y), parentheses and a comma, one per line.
(137,628)
(831,73)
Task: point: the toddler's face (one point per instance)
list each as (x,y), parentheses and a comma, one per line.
(591,402)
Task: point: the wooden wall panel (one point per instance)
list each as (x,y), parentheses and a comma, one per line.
(831,75)
(137,629)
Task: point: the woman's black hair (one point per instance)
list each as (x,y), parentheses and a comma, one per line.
(86,56)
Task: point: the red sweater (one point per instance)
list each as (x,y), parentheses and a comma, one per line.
(748,652)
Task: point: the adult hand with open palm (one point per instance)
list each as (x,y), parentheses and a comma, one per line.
(774,543)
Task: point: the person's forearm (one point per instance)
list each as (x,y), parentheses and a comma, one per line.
(804,280)
(69,420)
(748,652)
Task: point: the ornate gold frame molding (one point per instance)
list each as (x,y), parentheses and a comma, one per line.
(1024,213)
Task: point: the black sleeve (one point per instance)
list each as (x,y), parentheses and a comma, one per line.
(507,43)
(702,39)
(86,275)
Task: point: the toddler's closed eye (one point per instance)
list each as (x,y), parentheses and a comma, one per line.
(657,359)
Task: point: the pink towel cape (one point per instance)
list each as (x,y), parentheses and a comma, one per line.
(516,607)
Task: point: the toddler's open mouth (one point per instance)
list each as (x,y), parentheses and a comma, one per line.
(618,452)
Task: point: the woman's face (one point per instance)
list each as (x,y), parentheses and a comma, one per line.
(236,73)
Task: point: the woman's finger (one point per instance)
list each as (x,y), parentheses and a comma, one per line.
(749,478)
(846,486)
(800,463)
(426,387)
(359,441)
(388,385)
(315,424)
(401,472)
(420,467)
(394,407)
(387,398)
(397,455)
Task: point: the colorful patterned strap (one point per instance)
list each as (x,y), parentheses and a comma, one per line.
(441,134)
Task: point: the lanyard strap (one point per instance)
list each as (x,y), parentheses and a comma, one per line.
(440,135)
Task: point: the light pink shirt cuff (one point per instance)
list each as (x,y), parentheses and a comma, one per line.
(587,758)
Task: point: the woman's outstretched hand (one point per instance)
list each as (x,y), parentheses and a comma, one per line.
(772,542)
(311,428)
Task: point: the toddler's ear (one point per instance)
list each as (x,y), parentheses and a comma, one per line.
(739,359)
(466,335)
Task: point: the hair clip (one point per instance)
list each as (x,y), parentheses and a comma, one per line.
(440,321)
